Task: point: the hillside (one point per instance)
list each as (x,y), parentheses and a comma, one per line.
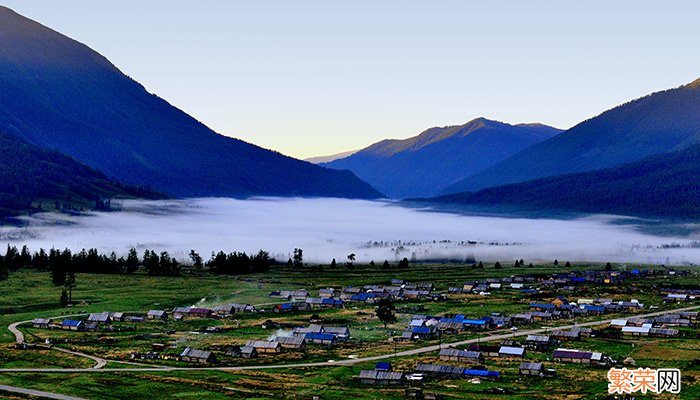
(426,164)
(59,94)
(663,185)
(332,157)
(33,179)
(658,123)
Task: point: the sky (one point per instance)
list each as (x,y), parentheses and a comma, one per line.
(310,78)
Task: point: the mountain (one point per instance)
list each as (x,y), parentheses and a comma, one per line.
(332,157)
(426,164)
(658,123)
(59,94)
(34,179)
(663,185)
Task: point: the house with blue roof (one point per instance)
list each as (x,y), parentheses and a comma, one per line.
(72,325)
(321,338)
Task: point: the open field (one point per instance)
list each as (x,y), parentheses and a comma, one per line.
(29,294)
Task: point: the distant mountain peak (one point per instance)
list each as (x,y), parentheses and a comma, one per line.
(694,84)
(57,93)
(425,164)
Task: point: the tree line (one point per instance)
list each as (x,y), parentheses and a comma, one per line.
(61,263)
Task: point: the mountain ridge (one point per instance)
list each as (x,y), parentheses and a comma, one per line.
(663,185)
(424,164)
(59,94)
(660,122)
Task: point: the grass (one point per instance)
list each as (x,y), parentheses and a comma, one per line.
(29,294)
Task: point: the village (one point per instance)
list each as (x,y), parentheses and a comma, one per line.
(487,330)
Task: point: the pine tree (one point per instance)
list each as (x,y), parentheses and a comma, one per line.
(63,302)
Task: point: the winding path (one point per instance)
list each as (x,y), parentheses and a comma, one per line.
(37,393)
(421,350)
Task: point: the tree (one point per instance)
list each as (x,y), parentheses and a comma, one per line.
(298,258)
(498,265)
(608,267)
(58,275)
(4,272)
(386,264)
(556,262)
(385,311)
(197,261)
(567,265)
(132,261)
(333,263)
(481,265)
(403,264)
(351,258)
(70,284)
(63,302)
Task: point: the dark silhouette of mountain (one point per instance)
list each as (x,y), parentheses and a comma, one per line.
(426,164)
(658,123)
(59,94)
(34,179)
(664,185)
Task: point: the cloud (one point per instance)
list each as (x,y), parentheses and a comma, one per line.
(333,228)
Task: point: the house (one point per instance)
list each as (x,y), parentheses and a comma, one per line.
(198,356)
(383,366)
(486,350)
(157,314)
(541,316)
(265,347)
(481,373)
(249,352)
(342,333)
(117,316)
(283,308)
(378,377)
(292,342)
(530,368)
(419,333)
(522,318)
(314,302)
(538,342)
(676,298)
(313,328)
(72,325)
(618,323)
(507,351)
(322,338)
(449,326)
(451,354)
(91,327)
(542,306)
(635,331)
(573,334)
(100,318)
(577,356)
(559,301)
(660,332)
(440,370)
(474,324)
(594,310)
(335,303)
(41,322)
(326,293)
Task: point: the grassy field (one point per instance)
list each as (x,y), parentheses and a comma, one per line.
(29,294)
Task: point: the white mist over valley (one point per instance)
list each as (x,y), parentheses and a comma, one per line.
(333,228)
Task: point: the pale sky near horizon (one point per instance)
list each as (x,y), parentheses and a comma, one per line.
(309,78)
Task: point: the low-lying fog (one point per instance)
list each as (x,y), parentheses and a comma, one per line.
(333,228)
